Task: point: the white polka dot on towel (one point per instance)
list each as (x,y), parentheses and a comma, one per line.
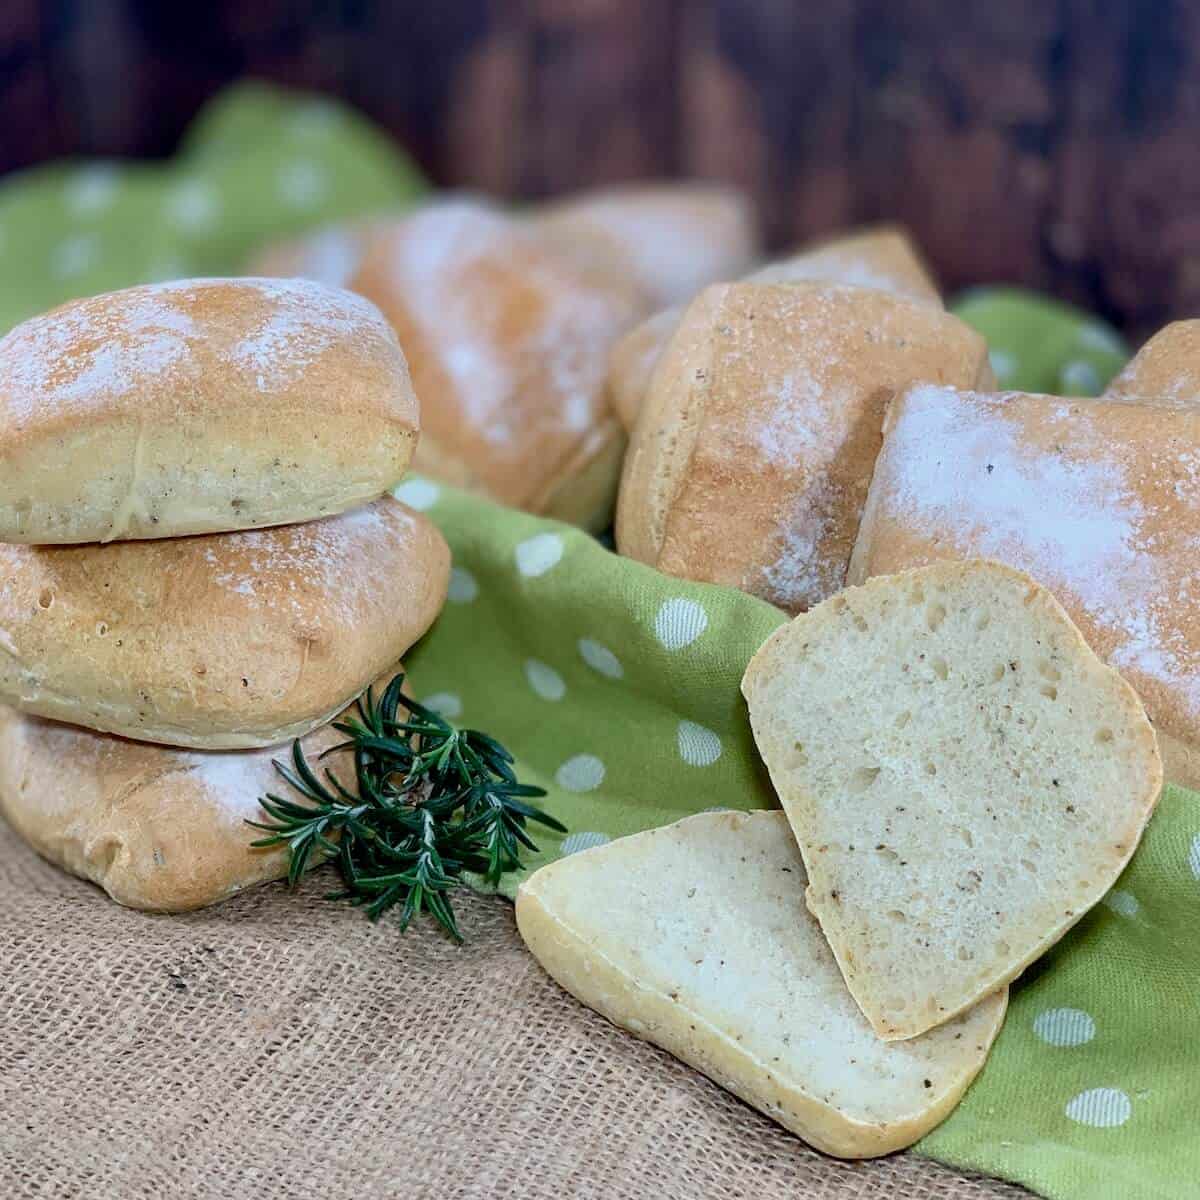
(302,184)
(679,622)
(1064,1026)
(1124,903)
(600,658)
(544,680)
(446,703)
(574,842)
(1102,1108)
(194,206)
(418,493)
(582,773)
(464,587)
(698,746)
(92,189)
(536,555)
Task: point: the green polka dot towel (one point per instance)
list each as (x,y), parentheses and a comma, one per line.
(618,687)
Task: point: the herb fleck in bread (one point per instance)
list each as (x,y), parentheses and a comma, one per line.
(695,937)
(964,776)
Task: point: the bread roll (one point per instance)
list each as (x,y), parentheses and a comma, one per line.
(225,641)
(672,238)
(331,255)
(156,828)
(507,341)
(1166,367)
(883,258)
(695,937)
(198,406)
(964,776)
(750,465)
(1099,500)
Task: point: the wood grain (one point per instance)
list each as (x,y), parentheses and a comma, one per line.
(1049,143)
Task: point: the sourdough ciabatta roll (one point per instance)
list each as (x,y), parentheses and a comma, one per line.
(751,462)
(1166,367)
(1099,500)
(695,937)
(672,238)
(157,828)
(224,641)
(964,777)
(883,258)
(507,341)
(199,406)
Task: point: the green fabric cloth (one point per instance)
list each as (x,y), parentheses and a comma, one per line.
(1042,345)
(618,687)
(258,162)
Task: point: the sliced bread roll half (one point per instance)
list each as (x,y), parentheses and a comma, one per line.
(695,937)
(751,461)
(508,341)
(226,641)
(964,776)
(157,828)
(199,406)
(883,258)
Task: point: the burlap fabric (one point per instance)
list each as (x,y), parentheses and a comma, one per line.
(278,1046)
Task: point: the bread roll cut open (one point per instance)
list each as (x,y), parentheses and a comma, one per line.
(882,258)
(157,828)
(225,641)
(1099,500)
(695,937)
(199,406)
(750,463)
(965,779)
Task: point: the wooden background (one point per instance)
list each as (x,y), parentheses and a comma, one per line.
(1048,142)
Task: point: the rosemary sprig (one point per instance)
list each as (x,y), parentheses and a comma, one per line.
(429,803)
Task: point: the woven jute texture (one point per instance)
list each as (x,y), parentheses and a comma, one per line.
(280,1046)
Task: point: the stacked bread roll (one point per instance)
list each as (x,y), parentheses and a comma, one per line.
(202,562)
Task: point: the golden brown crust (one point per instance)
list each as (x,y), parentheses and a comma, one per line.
(157,828)
(1096,499)
(228,640)
(752,460)
(507,341)
(881,257)
(199,406)
(672,239)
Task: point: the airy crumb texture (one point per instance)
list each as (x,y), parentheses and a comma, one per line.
(964,776)
(695,937)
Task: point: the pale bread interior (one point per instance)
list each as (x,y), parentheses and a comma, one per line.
(695,937)
(964,776)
